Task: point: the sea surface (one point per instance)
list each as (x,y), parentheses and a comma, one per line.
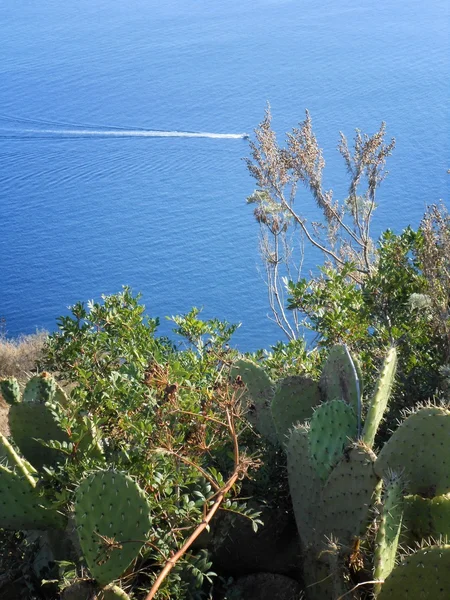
(91,198)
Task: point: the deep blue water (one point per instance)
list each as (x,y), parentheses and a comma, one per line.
(81,216)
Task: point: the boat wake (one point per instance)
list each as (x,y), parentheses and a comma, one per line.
(69,131)
(129,133)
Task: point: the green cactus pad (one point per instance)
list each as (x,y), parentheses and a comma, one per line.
(426,517)
(293,403)
(333,426)
(40,388)
(389,528)
(347,497)
(112,592)
(20,505)
(340,379)
(380,398)
(9,458)
(304,483)
(113,519)
(416,519)
(10,390)
(424,575)
(440,516)
(419,448)
(29,421)
(257,398)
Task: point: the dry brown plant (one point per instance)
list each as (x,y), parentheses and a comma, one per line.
(434,256)
(343,234)
(18,356)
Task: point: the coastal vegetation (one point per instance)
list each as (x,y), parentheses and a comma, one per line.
(140,466)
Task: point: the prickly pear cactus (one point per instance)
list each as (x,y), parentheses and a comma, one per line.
(21,506)
(293,403)
(34,418)
(10,390)
(424,575)
(40,388)
(389,528)
(419,447)
(31,421)
(426,517)
(304,483)
(340,379)
(112,592)
(347,497)
(112,516)
(333,427)
(257,398)
(380,398)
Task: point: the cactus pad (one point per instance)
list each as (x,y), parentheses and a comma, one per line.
(419,448)
(380,398)
(31,420)
(440,516)
(293,403)
(347,497)
(424,575)
(333,426)
(340,379)
(21,507)
(416,519)
(304,483)
(257,398)
(40,388)
(389,528)
(112,592)
(9,389)
(113,519)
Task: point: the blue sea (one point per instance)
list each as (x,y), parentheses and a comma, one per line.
(83,214)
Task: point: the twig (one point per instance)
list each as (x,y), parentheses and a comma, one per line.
(359,585)
(238,468)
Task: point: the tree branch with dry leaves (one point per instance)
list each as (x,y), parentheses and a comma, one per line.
(232,413)
(342,235)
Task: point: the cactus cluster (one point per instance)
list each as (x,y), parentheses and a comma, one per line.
(342,492)
(111,511)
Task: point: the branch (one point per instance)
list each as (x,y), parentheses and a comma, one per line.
(239,467)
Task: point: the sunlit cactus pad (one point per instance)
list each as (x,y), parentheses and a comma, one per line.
(112,592)
(340,379)
(113,519)
(333,426)
(40,388)
(419,448)
(30,421)
(389,529)
(293,403)
(10,390)
(424,575)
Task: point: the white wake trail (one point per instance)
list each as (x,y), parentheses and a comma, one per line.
(130,133)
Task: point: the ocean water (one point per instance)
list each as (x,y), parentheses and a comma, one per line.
(91,198)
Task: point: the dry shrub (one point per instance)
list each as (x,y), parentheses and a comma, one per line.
(18,356)
(434,256)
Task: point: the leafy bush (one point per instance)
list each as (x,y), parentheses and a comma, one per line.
(168,418)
